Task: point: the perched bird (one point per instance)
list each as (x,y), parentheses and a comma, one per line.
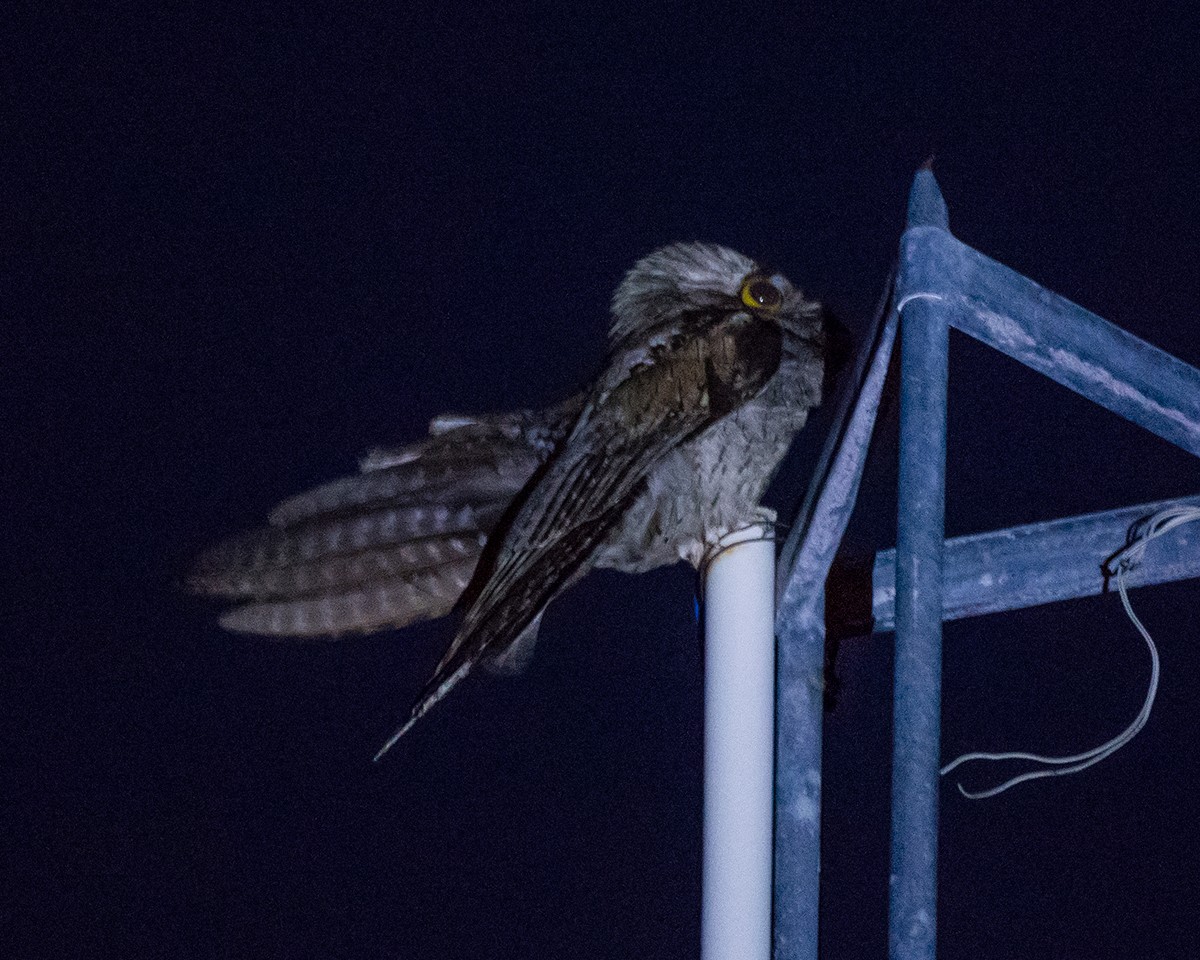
(713,365)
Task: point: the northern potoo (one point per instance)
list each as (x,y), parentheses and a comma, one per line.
(713,365)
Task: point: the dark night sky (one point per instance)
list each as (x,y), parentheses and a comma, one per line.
(242,247)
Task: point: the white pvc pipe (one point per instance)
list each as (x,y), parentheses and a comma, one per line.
(739,747)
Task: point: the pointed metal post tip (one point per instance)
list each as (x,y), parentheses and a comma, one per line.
(926,205)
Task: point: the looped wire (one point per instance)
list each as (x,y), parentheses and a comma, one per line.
(1118,565)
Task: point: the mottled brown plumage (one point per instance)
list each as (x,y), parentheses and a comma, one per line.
(713,367)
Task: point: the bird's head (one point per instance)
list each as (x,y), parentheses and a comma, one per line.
(703,278)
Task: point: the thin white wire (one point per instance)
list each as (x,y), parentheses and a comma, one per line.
(1126,559)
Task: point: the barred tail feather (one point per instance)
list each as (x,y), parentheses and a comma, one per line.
(343,551)
(390,603)
(392,545)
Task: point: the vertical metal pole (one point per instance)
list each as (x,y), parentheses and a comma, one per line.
(800,665)
(800,707)
(919,541)
(739,747)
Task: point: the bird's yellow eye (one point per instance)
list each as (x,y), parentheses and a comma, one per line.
(760,293)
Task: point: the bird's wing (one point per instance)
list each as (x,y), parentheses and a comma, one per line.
(681,387)
(386,547)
